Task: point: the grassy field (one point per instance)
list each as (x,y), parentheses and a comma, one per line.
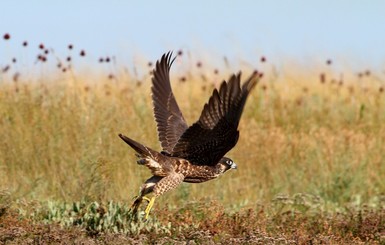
(311,161)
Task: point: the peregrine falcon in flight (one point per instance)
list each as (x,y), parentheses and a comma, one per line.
(193,153)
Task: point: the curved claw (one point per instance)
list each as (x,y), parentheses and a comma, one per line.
(147,199)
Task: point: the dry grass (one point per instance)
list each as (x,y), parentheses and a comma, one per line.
(298,135)
(60,141)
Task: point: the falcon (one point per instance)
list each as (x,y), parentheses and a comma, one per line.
(195,153)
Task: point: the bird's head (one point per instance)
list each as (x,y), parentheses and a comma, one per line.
(226,164)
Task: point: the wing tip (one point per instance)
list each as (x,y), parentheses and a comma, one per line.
(252,81)
(165,60)
(162,69)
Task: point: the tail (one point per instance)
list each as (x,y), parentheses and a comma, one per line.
(155,161)
(143,151)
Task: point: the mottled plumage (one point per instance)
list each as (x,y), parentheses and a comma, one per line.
(192,154)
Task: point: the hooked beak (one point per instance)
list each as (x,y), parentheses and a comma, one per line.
(234,166)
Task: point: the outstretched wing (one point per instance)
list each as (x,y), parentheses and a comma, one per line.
(170,122)
(216,131)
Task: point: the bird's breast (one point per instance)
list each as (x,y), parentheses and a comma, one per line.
(195,173)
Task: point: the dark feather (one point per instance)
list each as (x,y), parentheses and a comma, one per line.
(170,122)
(139,148)
(216,131)
(160,164)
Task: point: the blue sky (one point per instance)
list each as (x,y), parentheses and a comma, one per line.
(300,30)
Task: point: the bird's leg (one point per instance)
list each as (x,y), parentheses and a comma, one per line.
(149,207)
(146,198)
(138,201)
(165,184)
(146,188)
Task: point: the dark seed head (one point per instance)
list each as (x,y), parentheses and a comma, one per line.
(299,101)
(322,78)
(5,68)
(16,77)
(101,60)
(180,52)
(42,58)
(182,79)
(25,43)
(329,62)
(263,59)
(41,46)
(87,88)
(70,46)
(351,89)
(82,53)
(6,36)
(199,64)
(69,58)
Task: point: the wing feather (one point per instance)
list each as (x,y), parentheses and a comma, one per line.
(170,121)
(216,131)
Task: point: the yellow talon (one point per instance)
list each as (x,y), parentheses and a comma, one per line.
(149,206)
(138,200)
(147,199)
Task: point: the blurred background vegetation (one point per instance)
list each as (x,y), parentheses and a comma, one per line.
(300,133)
(310,155)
